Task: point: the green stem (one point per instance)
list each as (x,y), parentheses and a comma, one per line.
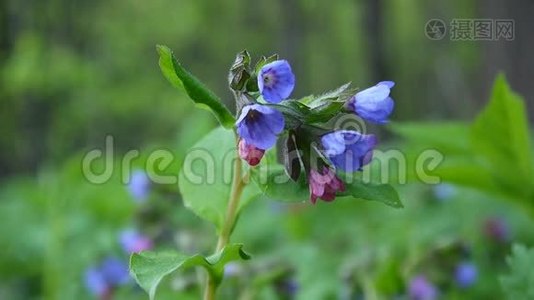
(238,183)
(211,288)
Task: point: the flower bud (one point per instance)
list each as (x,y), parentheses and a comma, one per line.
(250,153)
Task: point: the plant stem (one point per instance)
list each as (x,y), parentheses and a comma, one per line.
(238,183)
(211,288)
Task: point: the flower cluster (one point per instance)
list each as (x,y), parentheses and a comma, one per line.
(266,115)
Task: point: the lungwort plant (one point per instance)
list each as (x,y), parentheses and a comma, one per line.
(239,161)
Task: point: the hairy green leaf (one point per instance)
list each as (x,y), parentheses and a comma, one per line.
(385,193)
(206,176)
(149,268)
(196,90)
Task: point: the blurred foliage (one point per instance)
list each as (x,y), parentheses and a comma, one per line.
(492,154)
(72,72)
(520,282)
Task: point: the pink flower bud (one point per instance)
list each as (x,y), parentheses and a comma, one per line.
(324,185)
(250,153)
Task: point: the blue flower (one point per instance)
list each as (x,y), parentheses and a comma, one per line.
(232,269)
(349,150)
(115,271)
(466,274)
(421,289)
(111,273)
(444,191)
(260,125)
(95,282)
(373,104)
(276,81)
(132,241)
(139,185)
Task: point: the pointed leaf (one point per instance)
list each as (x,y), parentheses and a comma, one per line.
(500,134)
(149,268)
(196,90)
(316,101)
(385,193)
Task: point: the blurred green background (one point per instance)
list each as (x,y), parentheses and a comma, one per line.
(72,72)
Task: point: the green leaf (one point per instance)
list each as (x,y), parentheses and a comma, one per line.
(278,186)
(272,180)
(500,134)
(316,101)
(385,193)
(263,61)
(205,178)
(324,113)
(519,283)
(196,90)
(435,135)
(149,268)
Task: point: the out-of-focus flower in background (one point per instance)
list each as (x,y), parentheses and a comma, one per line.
(466,274)
(139,185)
(422,289)
(444,191)
(497,229)
(102,279)
(132,241)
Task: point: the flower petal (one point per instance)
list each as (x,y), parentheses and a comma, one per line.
(276,81)
(389,84)
(333,143)
(373,94)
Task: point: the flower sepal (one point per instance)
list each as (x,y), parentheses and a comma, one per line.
(239,73)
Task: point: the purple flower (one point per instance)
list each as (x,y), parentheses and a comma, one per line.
(101,280)
(115,271)
(421,289)
(324,185)
(349,150)
(250,153)
(96,283)
(466,274)
(373,104)
(132,241)
(288,287)
(139,185)
(260,125)
(496,229)
(276,81)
